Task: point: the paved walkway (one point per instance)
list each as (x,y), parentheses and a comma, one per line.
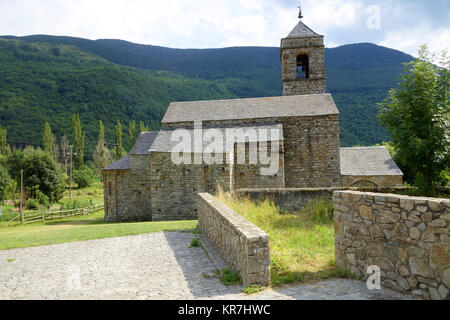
(149,266)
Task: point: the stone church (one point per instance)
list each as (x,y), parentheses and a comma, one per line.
(147,185)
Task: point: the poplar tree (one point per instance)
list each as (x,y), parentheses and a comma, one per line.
(132,132)
(5,150)
(142,127)
(78,142)
(47,138)
(118,140)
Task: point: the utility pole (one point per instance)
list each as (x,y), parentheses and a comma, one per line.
(21,196)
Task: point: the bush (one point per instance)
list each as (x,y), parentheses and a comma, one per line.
(33,204)
(75,204)
(39,169)
(83,177)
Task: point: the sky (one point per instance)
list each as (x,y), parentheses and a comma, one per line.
(400,24)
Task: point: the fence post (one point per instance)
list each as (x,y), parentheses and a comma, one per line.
(43,216)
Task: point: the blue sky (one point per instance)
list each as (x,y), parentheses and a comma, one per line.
(399,24)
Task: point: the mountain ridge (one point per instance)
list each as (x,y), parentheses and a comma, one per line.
(131,81)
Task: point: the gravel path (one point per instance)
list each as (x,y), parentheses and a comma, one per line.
(149,266)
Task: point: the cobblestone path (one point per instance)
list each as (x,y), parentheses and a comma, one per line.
(149,266)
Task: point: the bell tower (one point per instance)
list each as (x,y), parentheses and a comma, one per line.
(303,61)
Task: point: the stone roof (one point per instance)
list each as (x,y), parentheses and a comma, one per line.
(252,108)
(144,142)
(164,143)
(301,30)
(368,161)
(122,164)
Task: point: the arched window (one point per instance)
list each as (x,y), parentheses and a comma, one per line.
(302,67)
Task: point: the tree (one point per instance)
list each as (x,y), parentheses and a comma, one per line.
(101,131)
(142,127)
(78,142)
(40,172)
(65,151)
(4,181)
(417,114)
(47,138)
(5,149)
(102,155)
(119,151)
(83,177)
(132,132)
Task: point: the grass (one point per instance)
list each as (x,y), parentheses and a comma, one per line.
(195,243)
(253,289)
(94,193)
(230,278)
(79,229)
(301,243)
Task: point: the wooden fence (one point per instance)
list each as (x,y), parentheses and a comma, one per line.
(34,217)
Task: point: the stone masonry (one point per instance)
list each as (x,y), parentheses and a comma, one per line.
(148,185)
(243,246)
(302,41)
(407,237)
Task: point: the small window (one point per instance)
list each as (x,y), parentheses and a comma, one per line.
(302,67)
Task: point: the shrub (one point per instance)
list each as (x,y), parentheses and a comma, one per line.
(33,204)
(39,169)
(83,177)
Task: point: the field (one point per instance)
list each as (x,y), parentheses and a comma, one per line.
(301,243)
(76,228)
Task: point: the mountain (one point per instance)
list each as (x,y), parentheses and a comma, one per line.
(47,78)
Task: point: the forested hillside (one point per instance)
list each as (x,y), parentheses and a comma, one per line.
(47,78)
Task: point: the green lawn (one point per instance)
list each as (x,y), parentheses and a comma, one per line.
(78,229)
(301,244)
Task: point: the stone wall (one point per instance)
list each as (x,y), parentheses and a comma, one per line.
(243,246)
(175,187)
(125,198)
(407,237)
(288,199)
(249,175)
(372,181)
(311,147)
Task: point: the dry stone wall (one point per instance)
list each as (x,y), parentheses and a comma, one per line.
(407,237)
(244,246)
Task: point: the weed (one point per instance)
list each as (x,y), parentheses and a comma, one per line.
(253,289)
(195,243)
(11,260)
(230,278)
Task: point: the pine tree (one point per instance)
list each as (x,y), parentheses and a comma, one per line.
(47,138)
